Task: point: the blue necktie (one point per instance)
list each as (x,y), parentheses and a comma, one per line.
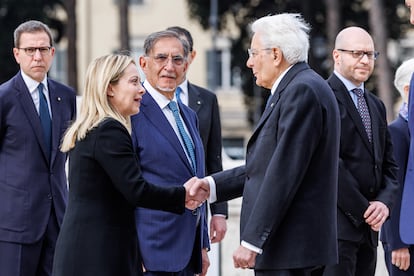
(45,119)
(363,111)
(184,135)
(177,94)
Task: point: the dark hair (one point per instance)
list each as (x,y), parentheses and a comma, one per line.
(155,37)
(183,32)
(32,26)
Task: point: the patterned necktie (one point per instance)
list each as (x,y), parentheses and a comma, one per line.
(184,135)
(45,119)
(177,94)
(363,111)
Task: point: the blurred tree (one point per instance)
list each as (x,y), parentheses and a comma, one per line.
(124,23)
(15,12)
(72,53)
(326,17)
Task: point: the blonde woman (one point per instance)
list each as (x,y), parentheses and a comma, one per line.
(98,234)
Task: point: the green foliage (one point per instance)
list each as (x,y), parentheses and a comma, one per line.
(243,12)
(15,12)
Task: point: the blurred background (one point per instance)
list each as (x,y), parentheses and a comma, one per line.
(87,29)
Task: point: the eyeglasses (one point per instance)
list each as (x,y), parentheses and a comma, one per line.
(31,51)
(255,52)
(359,54)
(162,59)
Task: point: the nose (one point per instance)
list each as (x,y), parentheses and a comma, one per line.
(37,54)
(249,62)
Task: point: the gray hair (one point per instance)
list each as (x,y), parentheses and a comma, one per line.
(403,75)
(32,26)
(287,31)
(153,38)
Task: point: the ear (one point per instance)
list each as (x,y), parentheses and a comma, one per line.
(109,91)
(16,55)
(277,55)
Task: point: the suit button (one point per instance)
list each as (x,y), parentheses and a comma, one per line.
(49,196)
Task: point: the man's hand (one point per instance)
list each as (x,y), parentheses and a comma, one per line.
(401,258)
(197,191)
(244,258)
(205,262)
(218,228)
(376,214)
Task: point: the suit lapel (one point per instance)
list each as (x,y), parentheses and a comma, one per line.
(155,115)
(343,96)
(28,107)
(274,99)
(195,100)
(55,98)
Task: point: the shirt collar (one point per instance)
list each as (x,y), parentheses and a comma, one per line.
(348,84)
(159,98)
(32,84)
(279,79)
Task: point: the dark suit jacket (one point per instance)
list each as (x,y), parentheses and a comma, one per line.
(289,181)
(98,235)
(167,240)
(30,183)
(367,171)
(204,103)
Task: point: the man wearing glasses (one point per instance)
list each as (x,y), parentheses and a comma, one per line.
(367,170)
(34,113)
(168,145)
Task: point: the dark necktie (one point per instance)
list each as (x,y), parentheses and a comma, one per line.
(363,111)
(45,119)
(184,135)
(177,94)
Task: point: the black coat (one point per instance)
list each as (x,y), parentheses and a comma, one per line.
(98,235)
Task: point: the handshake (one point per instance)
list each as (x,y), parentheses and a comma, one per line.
(197,192)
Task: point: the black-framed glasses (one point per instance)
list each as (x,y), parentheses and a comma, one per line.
(359,54)
(255,52)
(162,59)
(31,51)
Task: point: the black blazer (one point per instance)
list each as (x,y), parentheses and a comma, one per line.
(98,235)
(204,103)
(367,171)
(289,181)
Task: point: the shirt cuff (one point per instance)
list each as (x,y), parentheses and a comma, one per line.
(252,247)
(212,184)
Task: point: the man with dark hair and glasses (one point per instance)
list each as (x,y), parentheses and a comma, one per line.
(34,113)
(168,145)
(367,181)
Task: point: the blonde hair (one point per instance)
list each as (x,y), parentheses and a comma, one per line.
(95,106)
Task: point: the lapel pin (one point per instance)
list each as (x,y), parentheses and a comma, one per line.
(58,99)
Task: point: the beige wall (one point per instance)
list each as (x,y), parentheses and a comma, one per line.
(98,25)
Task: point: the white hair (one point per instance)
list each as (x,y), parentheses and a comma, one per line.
(403,75)
(287,31)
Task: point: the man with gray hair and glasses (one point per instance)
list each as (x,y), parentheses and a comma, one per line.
(34,114)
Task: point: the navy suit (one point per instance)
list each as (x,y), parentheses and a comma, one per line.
(390,231)
(167,240)
(407,214)
(32,187)
(204,103)
(289,182)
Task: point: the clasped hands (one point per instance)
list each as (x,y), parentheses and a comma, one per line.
(197,192)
